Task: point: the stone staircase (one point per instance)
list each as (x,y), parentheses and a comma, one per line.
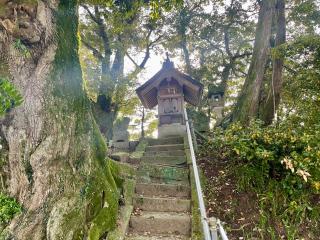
(162,196)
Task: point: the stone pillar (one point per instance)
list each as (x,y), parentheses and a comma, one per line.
(120,140)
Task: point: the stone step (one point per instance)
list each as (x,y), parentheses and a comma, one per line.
(164,141)
(166,153)
(161,204)
(146,236)
(168,160)
(157,189)
(153,180)
(161,223)
(148,171)
(169,147)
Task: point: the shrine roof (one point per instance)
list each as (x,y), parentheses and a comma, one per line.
(148,92)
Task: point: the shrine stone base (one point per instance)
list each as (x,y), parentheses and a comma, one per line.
(170,130)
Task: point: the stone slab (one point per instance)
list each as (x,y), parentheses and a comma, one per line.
(167,147)
(159,223)
(165,153)
(169,130)
(168,160)
(163,172)
(161,204)
(163,141)
(158,189)
(146,236)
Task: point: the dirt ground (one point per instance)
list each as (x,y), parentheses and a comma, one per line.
(237,211)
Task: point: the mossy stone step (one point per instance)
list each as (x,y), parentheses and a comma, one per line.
(164,141)
(167,181)
(133,236)
(165,153)
(169,160)
(148,171)
(160,189)
(161,204)
(161,223)
(168,147)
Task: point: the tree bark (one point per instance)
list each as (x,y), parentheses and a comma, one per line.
(186,54)
(271,104)
(56,155)
(247,106)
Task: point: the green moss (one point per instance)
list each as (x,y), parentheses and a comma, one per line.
(196,229)
(196,218)
(122,169)
(120,232)
(99,195)
(140,149)
(165,172)
(128,190)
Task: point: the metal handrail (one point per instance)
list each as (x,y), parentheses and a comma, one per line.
(209,234)
(205,225)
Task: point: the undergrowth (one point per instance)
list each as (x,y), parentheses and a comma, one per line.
(280,163)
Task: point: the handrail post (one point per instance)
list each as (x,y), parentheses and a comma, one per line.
(205,226)
(193,135)
(213,228)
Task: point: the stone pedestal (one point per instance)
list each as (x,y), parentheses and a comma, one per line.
(169,130)
(120,140)
(218,112)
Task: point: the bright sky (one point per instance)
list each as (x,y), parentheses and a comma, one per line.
(154,64)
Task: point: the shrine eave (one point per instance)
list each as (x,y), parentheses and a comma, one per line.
(147,92)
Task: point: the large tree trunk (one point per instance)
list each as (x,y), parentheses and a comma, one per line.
(248,103)
(270,105)
(56,156)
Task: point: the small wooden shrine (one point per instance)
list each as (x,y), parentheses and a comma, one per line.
(170,89)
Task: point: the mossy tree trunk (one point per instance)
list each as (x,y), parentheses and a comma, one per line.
(248,102)
(56,155)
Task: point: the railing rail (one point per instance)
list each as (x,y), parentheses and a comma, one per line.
(209,232)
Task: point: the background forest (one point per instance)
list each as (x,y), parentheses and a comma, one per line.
(69,70)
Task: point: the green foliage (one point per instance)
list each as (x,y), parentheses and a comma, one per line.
(284,152)
(21,48)
(9,96)
(281,164)
(8,208)
(301,87)
(167,5)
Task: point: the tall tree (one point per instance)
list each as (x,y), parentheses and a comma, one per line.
(247,106)
(56,155)
(111,31)
(270,105)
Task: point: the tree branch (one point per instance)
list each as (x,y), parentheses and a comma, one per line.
(95,52)
(90,13)
(132,60)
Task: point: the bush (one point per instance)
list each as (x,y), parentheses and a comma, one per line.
(281,164)
(285,153)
